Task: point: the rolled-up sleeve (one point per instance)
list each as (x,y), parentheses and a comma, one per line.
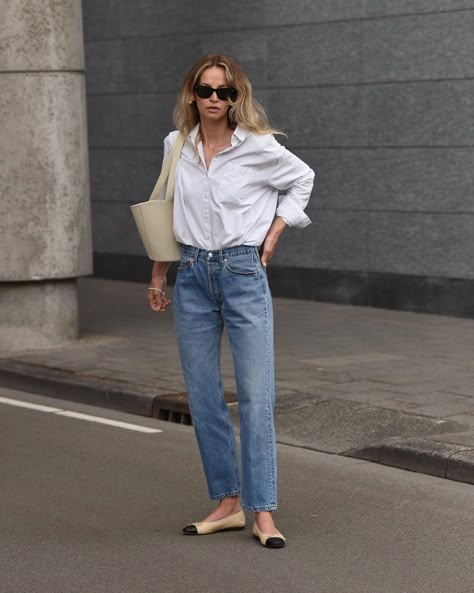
(292,176)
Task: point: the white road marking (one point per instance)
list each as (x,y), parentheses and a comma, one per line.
(107,421)
(21,404)
(69,414)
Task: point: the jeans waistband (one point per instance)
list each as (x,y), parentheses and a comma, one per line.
(217,254)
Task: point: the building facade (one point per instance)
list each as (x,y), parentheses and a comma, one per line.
(377,96)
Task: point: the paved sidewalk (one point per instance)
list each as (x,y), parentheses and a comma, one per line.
(388,386)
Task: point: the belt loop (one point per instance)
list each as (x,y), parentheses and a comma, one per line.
(196,254)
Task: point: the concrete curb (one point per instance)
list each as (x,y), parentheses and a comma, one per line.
(78,388)
(423,455)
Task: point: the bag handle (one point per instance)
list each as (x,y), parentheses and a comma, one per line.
(169,171)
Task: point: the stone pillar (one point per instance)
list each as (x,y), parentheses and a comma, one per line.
(45,234)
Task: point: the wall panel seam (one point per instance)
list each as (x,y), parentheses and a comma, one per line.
(307,147)
(257,89)
(50,71)
(392,211)
(361,19)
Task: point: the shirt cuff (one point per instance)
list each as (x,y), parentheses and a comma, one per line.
(292,214)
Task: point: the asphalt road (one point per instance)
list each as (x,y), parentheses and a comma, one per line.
(93,508)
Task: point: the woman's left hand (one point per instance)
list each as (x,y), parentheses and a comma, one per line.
(271,240)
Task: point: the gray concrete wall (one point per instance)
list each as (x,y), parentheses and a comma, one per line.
(44,177)
(45,225)
(376,95)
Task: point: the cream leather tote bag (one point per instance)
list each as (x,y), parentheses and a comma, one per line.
(154,219)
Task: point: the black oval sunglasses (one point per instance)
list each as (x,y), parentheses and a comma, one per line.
(224,93)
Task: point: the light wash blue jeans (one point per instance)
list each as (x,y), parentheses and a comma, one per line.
(229,288)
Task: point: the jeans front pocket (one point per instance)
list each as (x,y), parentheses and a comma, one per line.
(185,263)
(244,264)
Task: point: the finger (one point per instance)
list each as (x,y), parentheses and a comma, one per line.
(152,299)
(155,302)
(164,305)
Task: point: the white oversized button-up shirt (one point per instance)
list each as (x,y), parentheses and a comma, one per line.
(235,201)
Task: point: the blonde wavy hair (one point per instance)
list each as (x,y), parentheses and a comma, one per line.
(244,111)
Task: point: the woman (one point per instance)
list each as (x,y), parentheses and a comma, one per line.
(228,219)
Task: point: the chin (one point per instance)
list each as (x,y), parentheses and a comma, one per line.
(214,116)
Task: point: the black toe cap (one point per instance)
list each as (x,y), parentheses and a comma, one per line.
(190,530)
(275,542)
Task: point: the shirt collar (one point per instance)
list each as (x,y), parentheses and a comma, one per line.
(238,136)
(193,133)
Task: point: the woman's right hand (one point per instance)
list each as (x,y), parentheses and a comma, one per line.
(157,294)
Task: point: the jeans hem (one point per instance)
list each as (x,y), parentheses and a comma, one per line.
(270,507)
(225,495)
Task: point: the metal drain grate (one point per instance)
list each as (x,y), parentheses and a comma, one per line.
(174,407)
(178,417)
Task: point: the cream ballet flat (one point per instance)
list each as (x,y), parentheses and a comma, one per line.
(233,522)
(269,540)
